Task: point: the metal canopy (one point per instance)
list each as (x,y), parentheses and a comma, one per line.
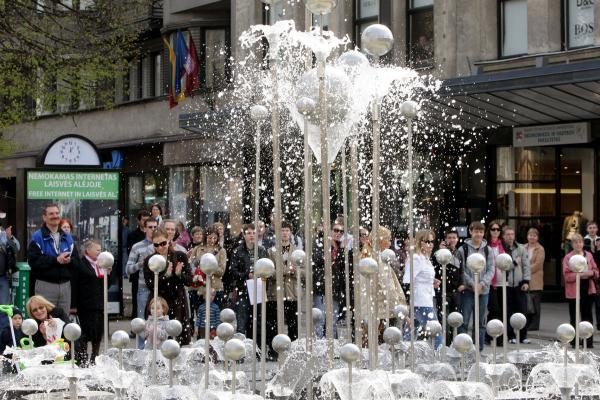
(540,95)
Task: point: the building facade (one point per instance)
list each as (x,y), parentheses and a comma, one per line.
(524,73)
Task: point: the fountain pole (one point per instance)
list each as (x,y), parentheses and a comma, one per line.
(373,321)
(306,106)
(207,331)
(356,242)
(346,250)
(155,323)
(476,312)
(258,113)
(368,268)
(263,269)
(409,111)
(274,47)
(577,312)
(105,305)
(504,321)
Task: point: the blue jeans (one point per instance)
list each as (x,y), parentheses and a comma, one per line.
(142,298)
(319,302)
(467,300)
(4,290)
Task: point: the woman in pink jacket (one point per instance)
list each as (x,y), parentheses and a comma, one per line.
(587,284)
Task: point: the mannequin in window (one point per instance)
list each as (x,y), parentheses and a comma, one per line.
(572,225)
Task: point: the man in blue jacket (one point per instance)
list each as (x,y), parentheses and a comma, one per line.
(49,255)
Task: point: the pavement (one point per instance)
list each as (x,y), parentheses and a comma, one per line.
(553,314)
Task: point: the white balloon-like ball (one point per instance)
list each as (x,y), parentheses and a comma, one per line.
(462,343)
(258,113)
(434,327)
(170,349)
(518,321)
(350,353)
(455,319)
(504,262)
(377,40)
(368,267)
(320,7)
(392,335)
(225,331)
(443,256)
(476,262)
(578,263)
(586,329)
(209,264)
(409,109)
(264,268)
(281,343)
(29,327)
(138,326)
(72,332)
(388,256)
(105,260)
(235,349)
(298,257)
(227,315)
(157,263)
(174,328)
(565,333)
(494,328)
(119,339)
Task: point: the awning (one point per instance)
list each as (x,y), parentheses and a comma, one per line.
(533,96)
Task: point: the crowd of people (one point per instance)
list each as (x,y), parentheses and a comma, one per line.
(68,281)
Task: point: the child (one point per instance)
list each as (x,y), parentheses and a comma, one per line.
(214,318)
(6,335)
(160,313)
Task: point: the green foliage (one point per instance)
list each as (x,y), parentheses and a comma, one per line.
(56,55)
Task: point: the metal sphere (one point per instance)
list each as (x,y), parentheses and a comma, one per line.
(119,339)
(586,329)
(138,326)
(227,315)
(462,343)
(565,333)
(174,328)
(578,263)
(350,353)
(225,331)
(306,105)
(320,7)
(476,262)
(298,257)
(401,311)
(239,336)
(258,113)
(409,109)
(353,59)
(338,99)
(518,321)
(388,256)
(455,319)
(317,315)
(235,349)
(281,343)
(434,327)
(443,256)
(504,262)
(494,328)
(392,335)
(264,268)
(105,260)
(368,267)
(29,327)
(377,40)
(209,264)
(72,332)
(157,263)
(170,349)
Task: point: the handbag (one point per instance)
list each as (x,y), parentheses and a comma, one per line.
(530,306)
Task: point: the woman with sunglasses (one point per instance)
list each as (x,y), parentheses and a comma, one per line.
(50,320)
(494,241)
(424,283)
(171,282)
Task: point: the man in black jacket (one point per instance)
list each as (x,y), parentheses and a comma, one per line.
(242,268)
(135,236)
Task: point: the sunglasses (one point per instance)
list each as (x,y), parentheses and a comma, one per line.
(495,229)
(429,241)
(161,244)
(336,230)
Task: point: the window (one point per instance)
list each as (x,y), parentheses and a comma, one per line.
(580,23)
(215,58)
(420,33)
(367,13)
(158,87)
(513,16)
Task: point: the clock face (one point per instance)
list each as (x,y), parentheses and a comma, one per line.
(70,151)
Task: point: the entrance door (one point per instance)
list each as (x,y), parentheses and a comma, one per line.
(541,187)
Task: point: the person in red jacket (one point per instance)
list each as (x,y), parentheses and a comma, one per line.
(587,284)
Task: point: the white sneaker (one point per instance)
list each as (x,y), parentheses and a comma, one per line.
(526,341)
(513,341)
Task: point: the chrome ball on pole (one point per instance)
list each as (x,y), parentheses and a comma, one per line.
(444,257)
(235,350)
(476,262)
(368,268)
(263,269)
(577,264)
(120,340)
(156,264)
(350,353)
(105,261)
(455,319)
(209,265)
(504,263)
(494,328)
(170,350)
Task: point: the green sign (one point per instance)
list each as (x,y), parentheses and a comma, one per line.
(59,185)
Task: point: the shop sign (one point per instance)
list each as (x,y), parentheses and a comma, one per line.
(65,185)
(581,23)
(551,135)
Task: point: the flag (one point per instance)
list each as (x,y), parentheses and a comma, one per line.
(181,54)
(171,86)
(191,68)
